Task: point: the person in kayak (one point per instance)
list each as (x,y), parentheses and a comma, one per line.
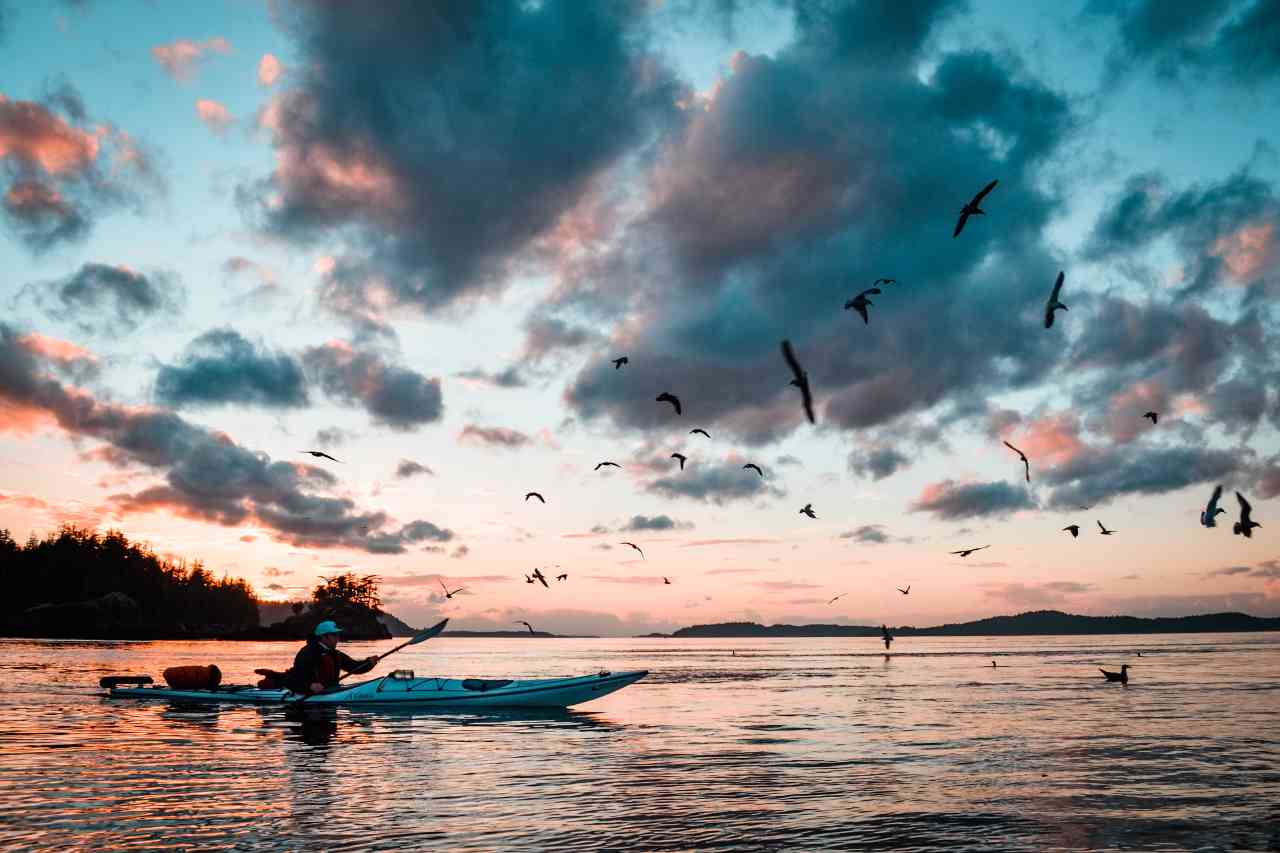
(318,665)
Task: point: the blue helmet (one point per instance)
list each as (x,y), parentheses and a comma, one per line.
(327,627)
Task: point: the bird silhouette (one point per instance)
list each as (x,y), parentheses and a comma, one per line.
(526,624)
(634,545)
(885,281)
(886,636)
(1023,457)
(964,552)
(618,362)
(1244,527)
(800,380)
(753,466)
(666,397)
(1209,516)
(1073,529)
(680,457)
(320,454)
(1105,531)
(528,579)
(666,581)
(1122,676)
(836,598)
(600,465)
(861,303)
(906,591)
(563,577)
(535,495)
(540,578)
(807,509)
(448,594)
(1053,304)
(1154,417)
(973,208)
(699,431)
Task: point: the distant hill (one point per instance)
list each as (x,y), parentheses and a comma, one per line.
(517,634)
(1038,622)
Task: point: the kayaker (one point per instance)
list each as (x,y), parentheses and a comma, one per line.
(319,664)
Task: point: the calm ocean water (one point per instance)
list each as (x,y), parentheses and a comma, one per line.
(797,743)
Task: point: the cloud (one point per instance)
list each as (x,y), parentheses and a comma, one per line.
(423,531)
(1098,476)
(269,70)
(656,522)
(628,580)
(717,483)
(214,115)
(877,463)
(508,377)
(332,437)
(221,366)
(1037,594)
(398,397)
(104,298)
(1228,571)
(785,585)
(408,468)
(273,572)
(460,552)
(179,58)
(733,571)
(952,501)
(493,436)
(871,534)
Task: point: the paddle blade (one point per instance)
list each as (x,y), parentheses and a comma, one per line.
(433,631)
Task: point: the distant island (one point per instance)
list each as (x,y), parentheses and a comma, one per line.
(1033,623)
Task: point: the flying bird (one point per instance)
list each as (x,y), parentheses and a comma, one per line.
(681,457)
(1073,529)
(540,578)
(564,577)
(1209,517)
(836,598)
(906,591)
(807,509)
(1053,304)
(526,624)
(973,208)
(964,552)
(1023,457)
(448,594)
(1105,531)
(665,397)
(600,465)
(699,431)
(634,545)
(1122,676)
(1154,417)
(753,466)
(888,638)
(618,362)
(1244,527)
(666,581)
(801,379)
(320,454)
(535,495)
(528,579)
(861,303)
(885,281)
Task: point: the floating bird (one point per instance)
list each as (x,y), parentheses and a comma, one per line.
(861,303)
(753,466)
(1122,676)
(1209,517)
(666,581)
(600,465)
(888,638)
(1073,529)
(618,362)
(972,208)
(535,495)
(1244,527)
(699,431)
(681,458)
(1154,417)
(993,663)
(320,454)
(634,545)
(906,591)
(664,397)
(885,281)
(837,598)
(807,509)
(1023,457)
(964,552)
(1105,531)
(1053,304)
(562,577)
(801,379)
(448,594)
(526,624)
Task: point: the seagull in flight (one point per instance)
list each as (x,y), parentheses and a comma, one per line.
(972,208)
(634,545)
(540,578)
(666,581)
(1053,304)
(528,579)
(1073,529)
(600,465)
(1023,457)
(1154,417)
(535,495)
(885,281)
(1104,530)
(861,303)
(448,594)
(1244,527)
(699,431)
(563,577)
(801,379)
(666,397)
(964,552)
(320,454)
(526,624)
(618,362)
(906,591)
(1209,517)
(807,509)
(681,458)
(834,599)
(754,467)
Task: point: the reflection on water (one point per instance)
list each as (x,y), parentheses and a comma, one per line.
(794,743)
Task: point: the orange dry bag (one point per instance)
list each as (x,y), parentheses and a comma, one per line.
(193,677)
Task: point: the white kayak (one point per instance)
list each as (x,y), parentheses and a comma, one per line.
(399,691)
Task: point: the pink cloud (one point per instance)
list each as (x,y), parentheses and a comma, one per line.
(1247,251)
(214,114)
(1124,412)
(178,58)
(269,69)
(55,349)
(1053,439)
(34,136)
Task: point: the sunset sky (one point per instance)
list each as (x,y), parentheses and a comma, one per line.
(235,230)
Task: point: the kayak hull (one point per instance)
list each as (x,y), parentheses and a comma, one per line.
(449,693)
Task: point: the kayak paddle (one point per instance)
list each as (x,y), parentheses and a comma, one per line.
(433,631)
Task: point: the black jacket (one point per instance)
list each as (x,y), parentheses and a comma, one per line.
(316,662)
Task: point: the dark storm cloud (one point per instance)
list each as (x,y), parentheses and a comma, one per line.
(398,397)
(494,436)
(205,474)
(1269,478)
(452,136)
(877,463)
(655,522)
(408,468)
(951,501)
(1097,476)
(787,192)
(106,298)
(717,483)
(222,366)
